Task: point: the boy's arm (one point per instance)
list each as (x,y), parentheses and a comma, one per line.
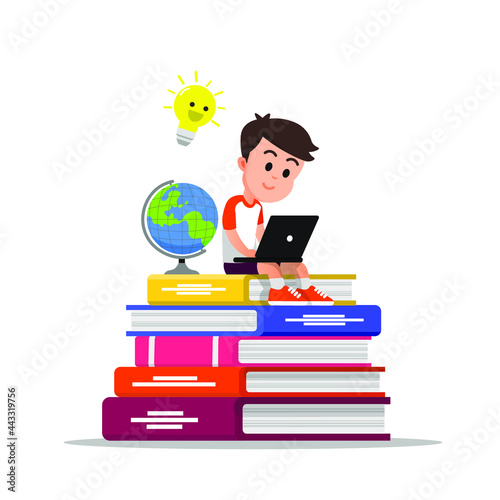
(235,240)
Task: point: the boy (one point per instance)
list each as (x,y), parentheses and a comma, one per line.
(273,152)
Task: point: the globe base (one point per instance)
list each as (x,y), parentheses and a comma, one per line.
(181,269)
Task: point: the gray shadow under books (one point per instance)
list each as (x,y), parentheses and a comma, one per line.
(253,445)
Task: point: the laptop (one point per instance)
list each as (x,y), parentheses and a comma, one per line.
(284,240)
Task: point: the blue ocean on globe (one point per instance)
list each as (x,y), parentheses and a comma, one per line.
(182,218)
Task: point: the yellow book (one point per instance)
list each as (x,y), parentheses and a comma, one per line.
(236,289)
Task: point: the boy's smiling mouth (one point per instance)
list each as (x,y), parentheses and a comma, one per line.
(268,188)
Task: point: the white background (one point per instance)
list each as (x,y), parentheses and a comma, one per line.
(62,238)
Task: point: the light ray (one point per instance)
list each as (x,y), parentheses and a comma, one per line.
(180,78)
(215,123)
(196,76)
(171,91)
(208,83)
(167,107)
(218,93)
(220,107)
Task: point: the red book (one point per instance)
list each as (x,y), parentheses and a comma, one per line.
(246,381)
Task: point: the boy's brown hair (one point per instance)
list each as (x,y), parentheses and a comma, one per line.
(284,134)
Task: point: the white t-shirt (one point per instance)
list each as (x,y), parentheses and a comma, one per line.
(245,218)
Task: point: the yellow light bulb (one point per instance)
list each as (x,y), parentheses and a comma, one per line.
(194,107)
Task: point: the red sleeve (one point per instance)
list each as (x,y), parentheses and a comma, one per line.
(261,215)
(229,214)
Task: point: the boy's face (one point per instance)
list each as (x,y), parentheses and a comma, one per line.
(269,172)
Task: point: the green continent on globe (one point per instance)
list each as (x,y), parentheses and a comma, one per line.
(197,227)
(167,204)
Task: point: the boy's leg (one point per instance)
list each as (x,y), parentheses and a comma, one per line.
(299,270)
(274,272)
(279,293)
(304,287)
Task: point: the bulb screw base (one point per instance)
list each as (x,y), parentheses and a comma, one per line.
(185,137)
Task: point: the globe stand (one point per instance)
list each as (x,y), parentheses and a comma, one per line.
(182,269)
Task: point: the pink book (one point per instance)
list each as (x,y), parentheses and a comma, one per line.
(251,351)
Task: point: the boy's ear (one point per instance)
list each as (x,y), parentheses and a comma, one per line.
(242,163)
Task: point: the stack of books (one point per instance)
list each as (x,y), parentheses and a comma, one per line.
(214,361)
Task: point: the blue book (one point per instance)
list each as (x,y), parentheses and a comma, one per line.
(255,320)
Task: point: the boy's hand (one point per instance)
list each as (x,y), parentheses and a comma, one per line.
(235,240)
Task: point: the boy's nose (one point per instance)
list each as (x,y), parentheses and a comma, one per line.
(273,177)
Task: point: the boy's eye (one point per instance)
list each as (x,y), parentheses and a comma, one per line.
(191,104)
(269,166)
(286,173)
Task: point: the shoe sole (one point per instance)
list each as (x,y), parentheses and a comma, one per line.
(320,303)
(288,303)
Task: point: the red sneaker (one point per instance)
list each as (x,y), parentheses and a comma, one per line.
(315,297)
(286,296)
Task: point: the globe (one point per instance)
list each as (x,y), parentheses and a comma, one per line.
(179,220)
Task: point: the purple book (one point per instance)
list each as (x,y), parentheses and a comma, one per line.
(247,418)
